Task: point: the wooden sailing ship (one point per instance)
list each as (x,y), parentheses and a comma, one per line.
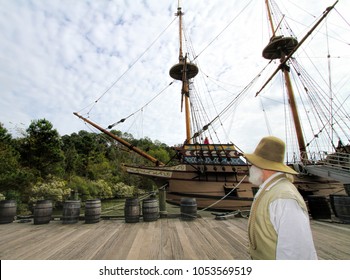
(216,174)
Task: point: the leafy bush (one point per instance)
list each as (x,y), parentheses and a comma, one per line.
(54,189)
(122,190)
(103,189)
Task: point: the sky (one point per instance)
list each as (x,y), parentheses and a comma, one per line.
(107,59)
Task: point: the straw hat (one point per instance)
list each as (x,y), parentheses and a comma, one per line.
(269,154)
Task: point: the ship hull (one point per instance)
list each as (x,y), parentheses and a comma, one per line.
(212,195)
(224,190)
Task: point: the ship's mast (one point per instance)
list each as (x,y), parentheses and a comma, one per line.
(280,47)
(184,71)
(179,14)
(283,48)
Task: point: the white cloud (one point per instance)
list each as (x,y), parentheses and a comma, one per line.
(57,57)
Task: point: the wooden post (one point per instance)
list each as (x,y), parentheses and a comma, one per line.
(162,202)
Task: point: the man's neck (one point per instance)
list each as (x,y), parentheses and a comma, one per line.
(267,174)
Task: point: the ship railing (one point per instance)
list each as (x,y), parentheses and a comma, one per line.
(337,160)
(334,160)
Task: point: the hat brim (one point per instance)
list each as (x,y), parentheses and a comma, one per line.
(269,165)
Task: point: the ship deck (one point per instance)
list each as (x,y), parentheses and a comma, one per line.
(204,238)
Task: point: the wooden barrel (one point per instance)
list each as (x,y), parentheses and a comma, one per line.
(92,211)
(42,212)
(150,210)
(132,210)
(341,204)
(188,208)
(8,209)
(71,211)
(319,207)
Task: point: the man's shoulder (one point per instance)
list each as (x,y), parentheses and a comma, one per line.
(284,188)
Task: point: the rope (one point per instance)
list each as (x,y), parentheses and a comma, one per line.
(222,31)
(224,195)
(237,98)
(152,99)
(128,69)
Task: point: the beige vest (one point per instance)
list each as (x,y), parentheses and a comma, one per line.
(261,233)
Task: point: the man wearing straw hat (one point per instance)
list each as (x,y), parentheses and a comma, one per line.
(278,226)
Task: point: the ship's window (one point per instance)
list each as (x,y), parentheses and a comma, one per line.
(234,193)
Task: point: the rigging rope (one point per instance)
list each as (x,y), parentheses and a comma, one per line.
(233,102)
(138,110)
(279,23)
(322,107)
(269,130)
(127,70)
(217,36)
(342,18)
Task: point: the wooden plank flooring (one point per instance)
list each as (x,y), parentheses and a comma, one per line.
(164,239)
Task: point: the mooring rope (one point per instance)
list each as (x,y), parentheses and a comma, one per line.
(224,195)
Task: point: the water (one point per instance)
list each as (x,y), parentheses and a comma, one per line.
(113,207)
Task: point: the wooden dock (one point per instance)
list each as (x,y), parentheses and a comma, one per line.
(205,238)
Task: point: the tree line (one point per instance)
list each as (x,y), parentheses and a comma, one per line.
(41,164)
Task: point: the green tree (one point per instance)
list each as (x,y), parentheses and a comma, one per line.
(13,178)
(5,137)
(71,155)
(41,149)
